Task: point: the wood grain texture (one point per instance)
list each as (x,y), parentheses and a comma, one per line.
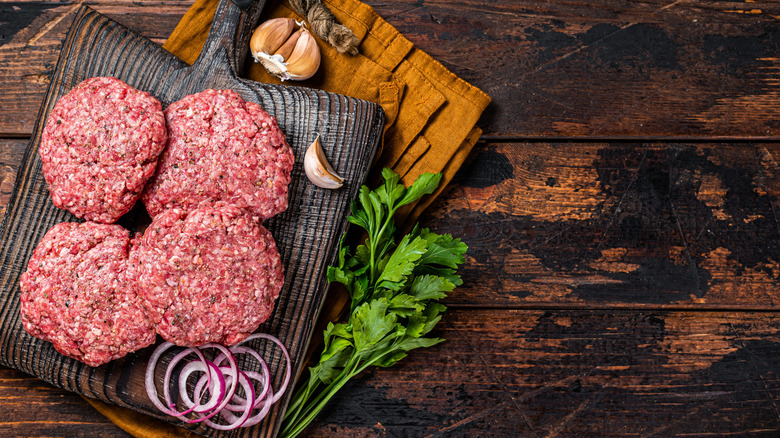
(608,68)
(542,373)
(33,408)
(669,225)
(615,286)
(602,68)
(11,152)
(32,40)
(307,233)
(574,373)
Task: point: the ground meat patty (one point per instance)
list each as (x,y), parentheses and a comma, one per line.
(99,147)
(77,294)
(210,275)
(221,148)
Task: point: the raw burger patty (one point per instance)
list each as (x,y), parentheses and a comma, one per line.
(210,275)
(77,294)
(99,147)
(221,148)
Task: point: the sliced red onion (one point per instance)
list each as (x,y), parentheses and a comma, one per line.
(232,371)
(218,384)
(264,378)
(266,407)
(151,388)
(287,371)
(216,392)
(169,372)
(237,402)
(232,420)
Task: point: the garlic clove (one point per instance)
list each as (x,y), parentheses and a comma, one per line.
(287,48)
(318,169)
(274,64)
(305,57)
(271,35)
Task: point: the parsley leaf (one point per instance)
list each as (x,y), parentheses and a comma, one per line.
(401,263)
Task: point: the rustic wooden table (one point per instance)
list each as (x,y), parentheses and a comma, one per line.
(622,210)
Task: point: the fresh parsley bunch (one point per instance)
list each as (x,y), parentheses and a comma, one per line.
(395,287)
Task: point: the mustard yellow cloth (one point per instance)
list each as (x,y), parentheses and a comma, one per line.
(431,117)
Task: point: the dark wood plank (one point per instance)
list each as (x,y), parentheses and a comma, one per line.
(32,40)
(536,373)
(574,373)
(11,152)
(32,407)
(606,68)
(617,225)
(349,129)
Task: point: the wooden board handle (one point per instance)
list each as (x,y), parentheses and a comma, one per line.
(243,4)
(233,24)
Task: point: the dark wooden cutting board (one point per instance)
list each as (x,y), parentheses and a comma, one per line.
(307,233)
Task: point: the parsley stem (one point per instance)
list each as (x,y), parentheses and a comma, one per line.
(316,405)
(294,409)
(373,246)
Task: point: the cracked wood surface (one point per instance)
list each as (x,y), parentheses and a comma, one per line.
(622,213)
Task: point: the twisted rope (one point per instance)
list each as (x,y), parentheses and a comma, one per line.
(325,25)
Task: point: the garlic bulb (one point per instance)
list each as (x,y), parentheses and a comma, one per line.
(317,168)
(284,52)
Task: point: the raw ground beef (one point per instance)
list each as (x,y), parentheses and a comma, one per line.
(77,294)
(210,275)
(99,146)
(221,148)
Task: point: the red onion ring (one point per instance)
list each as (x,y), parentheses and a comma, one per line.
(233,421)
(264,379)
(218,385)
(169,370)
(151,388)
(287,371)
(232,372)
(209,388)
(266,407)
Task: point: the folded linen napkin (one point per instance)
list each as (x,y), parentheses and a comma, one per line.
(430,118)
